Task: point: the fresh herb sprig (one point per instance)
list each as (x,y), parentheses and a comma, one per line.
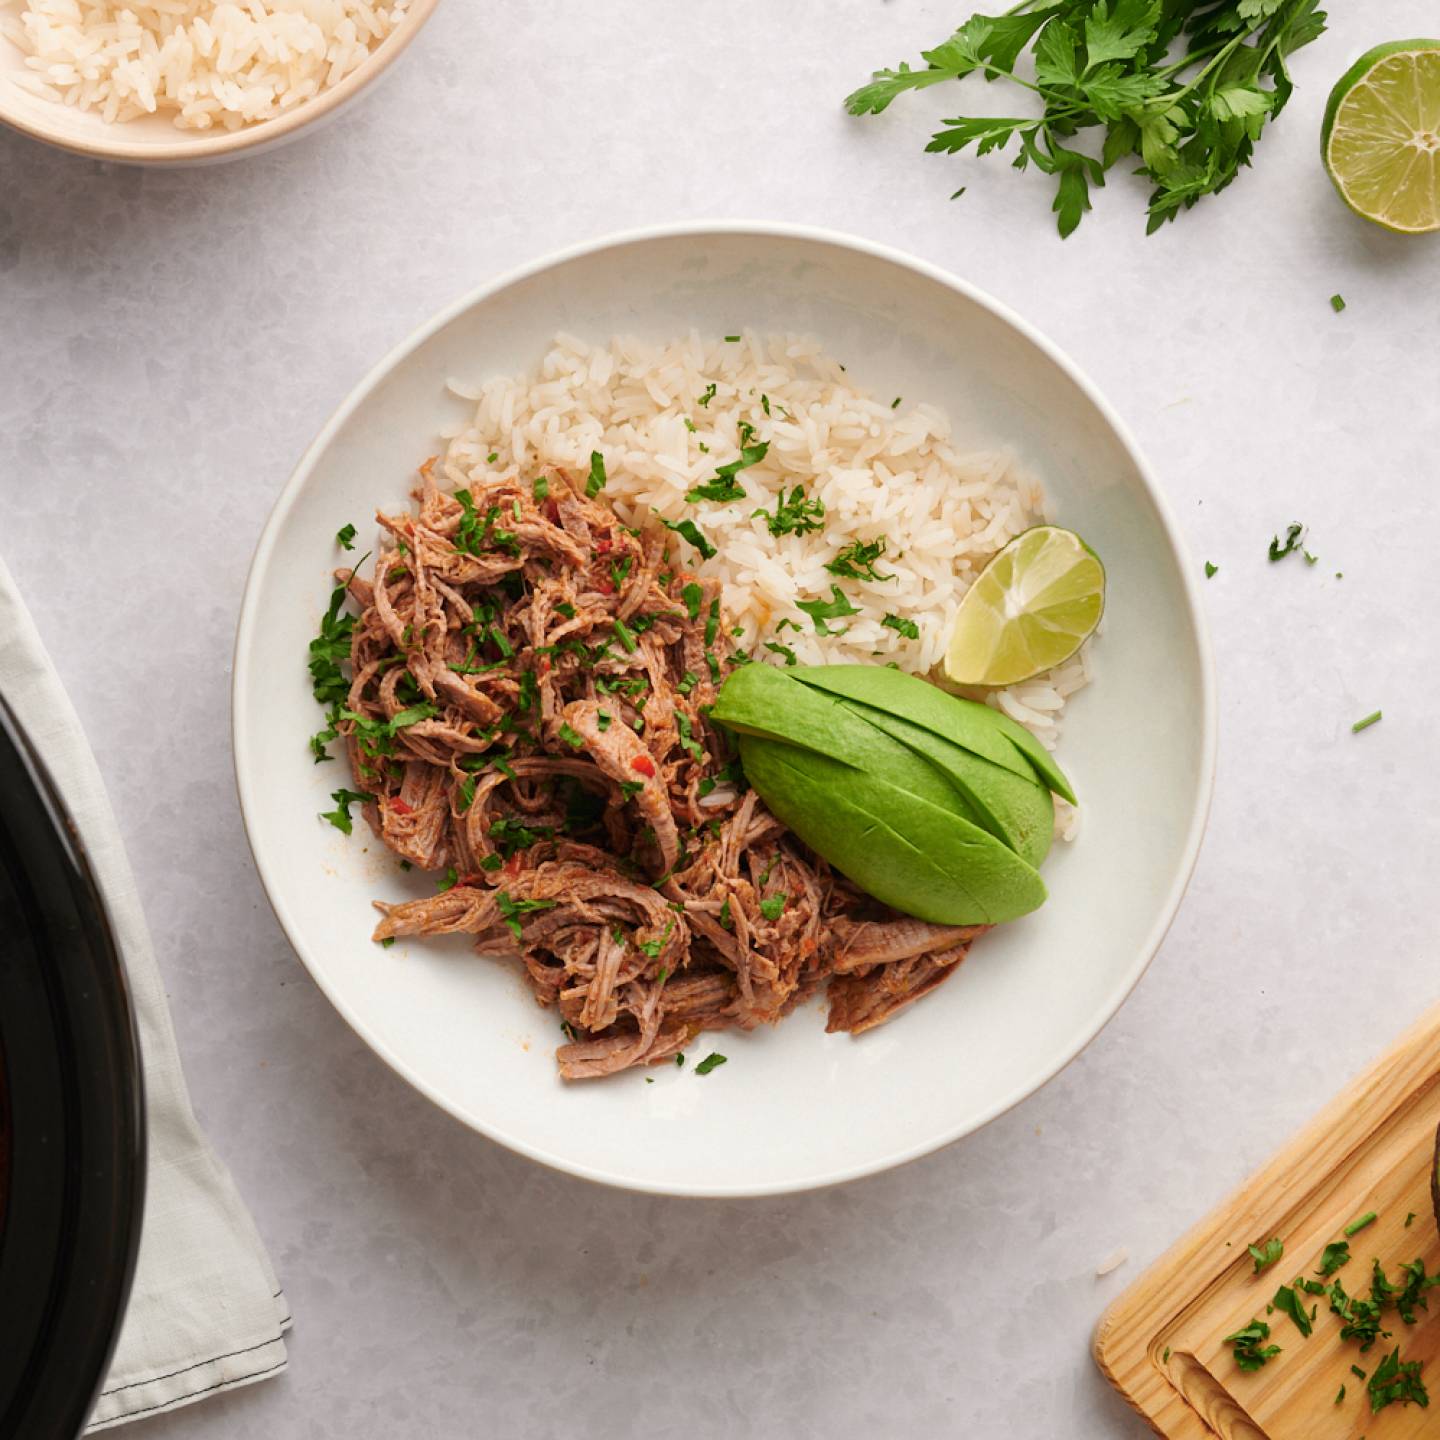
(1184,86)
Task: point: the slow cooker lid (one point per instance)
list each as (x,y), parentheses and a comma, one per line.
(71,1219)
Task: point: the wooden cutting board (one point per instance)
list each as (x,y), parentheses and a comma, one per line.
(1160,1344)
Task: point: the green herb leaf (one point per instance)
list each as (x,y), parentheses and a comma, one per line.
(1248,1345)
(596,483)
(908,628)
(1211,570)
(857,561)
(1266,1255)
(1289,1303)
(688,530)
(773,907)
(339,817)
(1337,303)
(1396,1382)
(345,536)
(785,651)
(1292,542)
(1336,1254)
(711,1062)
(820,611)
(794,515)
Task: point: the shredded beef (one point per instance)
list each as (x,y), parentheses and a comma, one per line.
(528,711)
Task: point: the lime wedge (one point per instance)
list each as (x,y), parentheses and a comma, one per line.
(1034,605)
(1381,138)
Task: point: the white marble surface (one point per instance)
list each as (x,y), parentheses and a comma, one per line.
(170,341)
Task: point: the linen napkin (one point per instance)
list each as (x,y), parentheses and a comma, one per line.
(206,1313)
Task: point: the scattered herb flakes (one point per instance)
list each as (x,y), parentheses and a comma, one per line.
(339,817)
(712,1061)
(794,514)
(732,339)
(540,489)
(704,400)
(1337,303)
(720,489)
(1361,1318)
(857,561)
(1357,1372)
(1396,1381)
(1165,1358)
(1280,549)
(1335,1254)
(1341,1396)
(447,881)
(679,1059)
(387,942)
(908,628)
(784,651)
(688,530)
(1369,1218)
(492,457)
(1248,1345)
(1289,1303)
(1355,729)
(345,537)
(570,736)
(1266,1255)
(774,907)
(511,909)
(596,483)
(895,403)
(820,611)
(1211,570)
(1409,1219)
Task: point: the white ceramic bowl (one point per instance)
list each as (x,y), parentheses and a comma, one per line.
(794,1107)
(154,139)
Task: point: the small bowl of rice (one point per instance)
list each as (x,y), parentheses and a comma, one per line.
(166,82)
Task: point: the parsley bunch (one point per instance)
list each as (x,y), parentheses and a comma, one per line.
(1184,86)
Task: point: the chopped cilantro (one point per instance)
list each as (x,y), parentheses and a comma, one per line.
(340,816)
(776,648)
(570,737)
(731,339)
(712,1061)
(540,489)
(447,882)
(1248,1345)
(1211,570)
(1289,1303)
(1337,303)
(596,483)
(512,909)
(908,628)
(704,400)
(688,530)
(774,907)
(345,537)
(857,561)
(820,611)
(1280,549)
(794,515)
(1395,1381)
(1266,1255)
(1336,1254)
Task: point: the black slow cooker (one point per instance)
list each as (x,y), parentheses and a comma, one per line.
(71,1117)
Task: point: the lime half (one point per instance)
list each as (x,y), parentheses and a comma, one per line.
(1381,139)
(1034,605)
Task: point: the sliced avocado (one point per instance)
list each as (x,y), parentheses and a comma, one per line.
(763,700)
(1016,809)
(902,849)
(963,722)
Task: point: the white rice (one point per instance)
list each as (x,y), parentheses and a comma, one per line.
(943,507)
(207,63)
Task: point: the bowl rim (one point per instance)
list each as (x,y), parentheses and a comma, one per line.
(1201,794)
(208,145)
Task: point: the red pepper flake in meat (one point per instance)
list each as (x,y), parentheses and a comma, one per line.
(644,764)
(604,545)
(400,807)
